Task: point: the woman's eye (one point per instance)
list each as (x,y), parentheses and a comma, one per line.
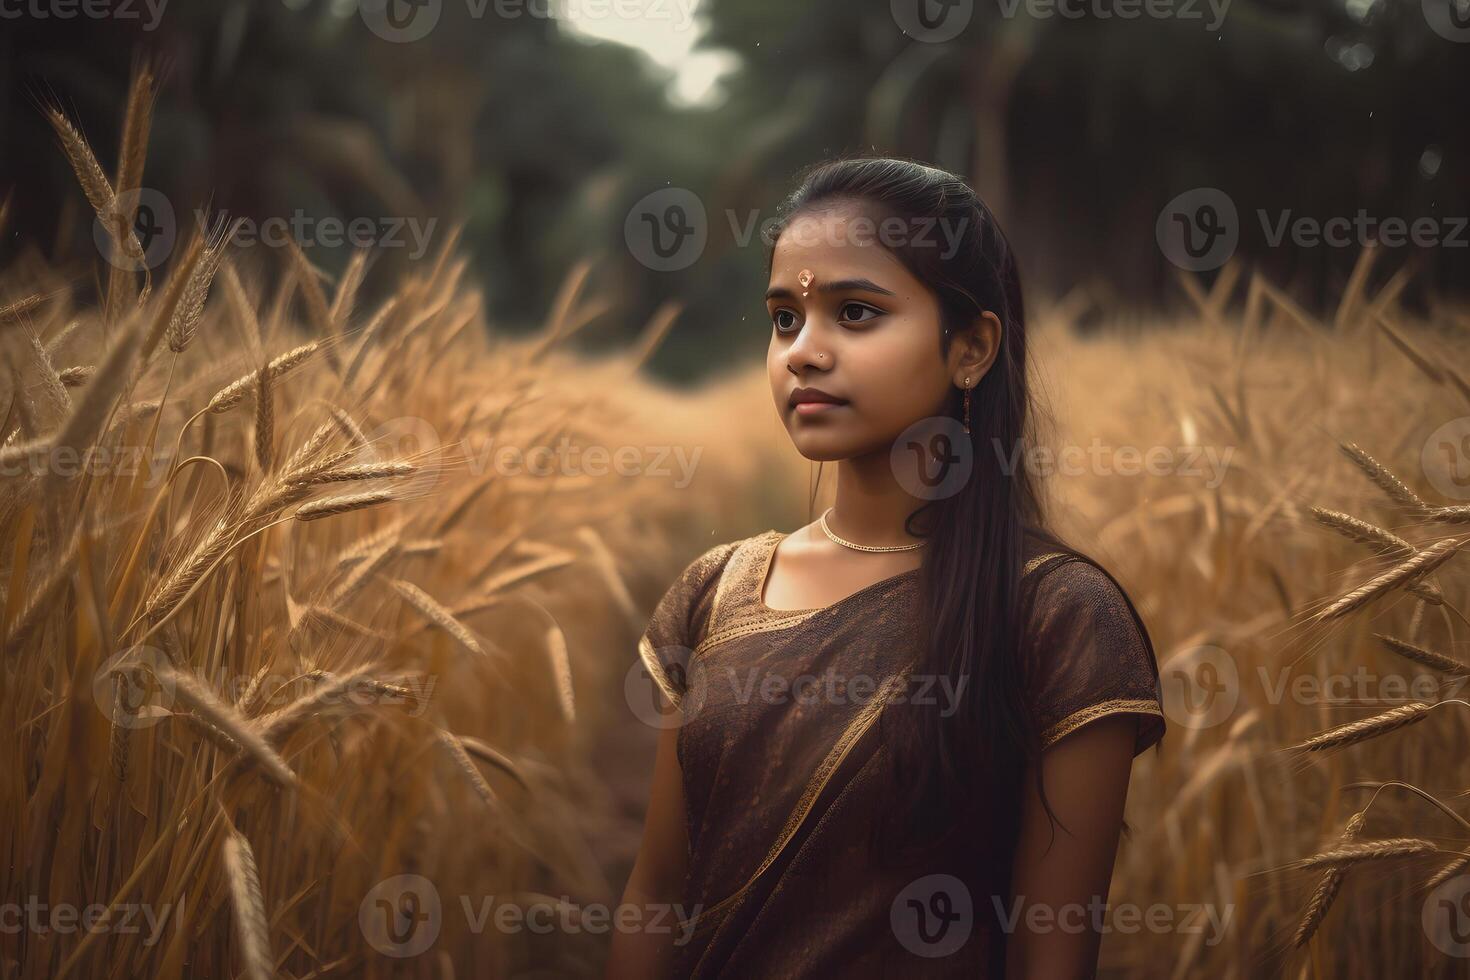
(784,325)
(853,312)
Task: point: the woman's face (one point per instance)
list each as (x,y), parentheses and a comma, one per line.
(867,333)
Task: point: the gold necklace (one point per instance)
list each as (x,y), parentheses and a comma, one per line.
(864,547)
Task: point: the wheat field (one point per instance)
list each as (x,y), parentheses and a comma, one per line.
(279,627)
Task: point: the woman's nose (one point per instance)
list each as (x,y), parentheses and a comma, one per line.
(808,350)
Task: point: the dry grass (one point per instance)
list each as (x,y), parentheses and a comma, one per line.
(1324,556)
(220,700)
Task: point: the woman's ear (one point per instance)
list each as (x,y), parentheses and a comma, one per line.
(977,348)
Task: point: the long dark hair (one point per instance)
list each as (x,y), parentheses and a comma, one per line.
(954,771)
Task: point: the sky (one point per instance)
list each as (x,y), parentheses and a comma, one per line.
(664,30)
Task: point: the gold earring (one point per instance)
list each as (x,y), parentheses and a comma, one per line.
(967,405)
(805,277)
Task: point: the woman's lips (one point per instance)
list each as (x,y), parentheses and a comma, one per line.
(817,408)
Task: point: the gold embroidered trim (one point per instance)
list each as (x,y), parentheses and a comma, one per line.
(747,629)
(1116,706)
(1032,565)
(750,563)
(656,671)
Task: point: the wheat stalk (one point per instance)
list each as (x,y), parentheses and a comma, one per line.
(246,704)
(240,306)
(249,907)
(331,506)
(265,421)
(350,428)
(16,309)
(1346,855)
(234,393)
(316,300)
(57,401)
(436,613)
(1422,655)
(279,725)
(1451,515)
(364,570)
(137,120)
(452,744)
(185,574)
(1444,874)
(1328,887)
(328,618)
(499,760)
(89,172)
(347,288)
(1362,532)
(1384,479)
(1360,731)
(198,697)
(1418,565)
(361,471)
(119,746)
(368,333)
(186,314)
(80,430)
(216,735)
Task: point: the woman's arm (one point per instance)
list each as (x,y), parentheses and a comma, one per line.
(658,873)
(1060,885)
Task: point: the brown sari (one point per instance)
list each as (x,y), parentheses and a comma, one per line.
(783,767)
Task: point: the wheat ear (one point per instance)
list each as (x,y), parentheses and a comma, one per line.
(249,907)
(1362,532)
(1411,568)
(192,692)
(330,506)
(436,613)
(1328,887)
(1384,479)
(1444,874)
(15,310)
(234,393)
(1346,855)
(1421,655)
(1361,731)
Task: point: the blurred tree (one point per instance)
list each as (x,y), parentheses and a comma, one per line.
(1077,129)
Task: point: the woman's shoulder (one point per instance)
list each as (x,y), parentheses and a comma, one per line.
(1062,573)
(1088,651)
(714,558)
(695,586)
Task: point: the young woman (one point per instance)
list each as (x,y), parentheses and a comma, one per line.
(900,737)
